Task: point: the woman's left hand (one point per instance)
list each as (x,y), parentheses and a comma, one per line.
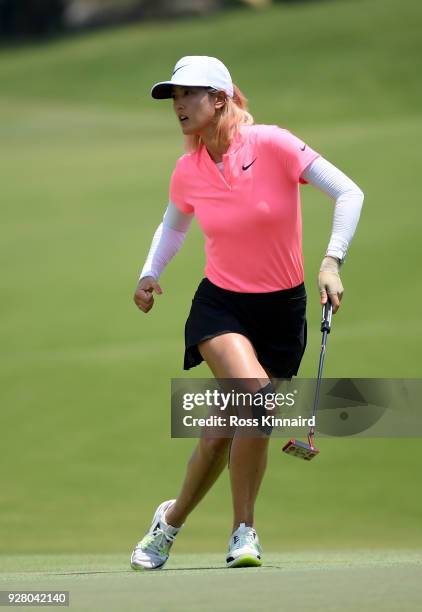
(329,282)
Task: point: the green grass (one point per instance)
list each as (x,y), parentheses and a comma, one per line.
(308,580)
(84,166)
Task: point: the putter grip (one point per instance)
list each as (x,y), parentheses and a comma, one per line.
(327,312)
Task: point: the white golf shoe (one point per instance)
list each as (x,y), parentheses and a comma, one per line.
(244,548)
(153,550)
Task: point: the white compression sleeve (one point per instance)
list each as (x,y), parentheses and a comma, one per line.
(167,240)
(349,199)
(176,219)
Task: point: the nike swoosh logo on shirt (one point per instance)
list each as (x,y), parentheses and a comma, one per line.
(249,165)
(303,148)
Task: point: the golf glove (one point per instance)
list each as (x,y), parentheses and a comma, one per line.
(329,281)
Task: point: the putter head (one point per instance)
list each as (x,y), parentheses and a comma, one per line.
(300,449)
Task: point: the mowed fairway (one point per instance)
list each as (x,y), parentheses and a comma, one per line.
(307,581)
(85,161)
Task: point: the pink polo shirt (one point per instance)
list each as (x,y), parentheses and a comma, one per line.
(251,216)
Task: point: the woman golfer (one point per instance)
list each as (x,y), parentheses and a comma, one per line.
(247,321)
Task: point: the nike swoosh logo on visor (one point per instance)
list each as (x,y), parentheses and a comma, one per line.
(303,148)
(180,68)
(249,165)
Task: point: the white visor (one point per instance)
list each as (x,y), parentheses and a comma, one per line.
(196,71)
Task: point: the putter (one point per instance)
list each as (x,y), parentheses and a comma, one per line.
(296,447)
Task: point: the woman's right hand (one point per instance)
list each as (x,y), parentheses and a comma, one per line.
(143,297)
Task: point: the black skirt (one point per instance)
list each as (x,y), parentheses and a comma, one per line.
(274,322)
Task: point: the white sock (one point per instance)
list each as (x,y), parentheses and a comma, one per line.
(172,530)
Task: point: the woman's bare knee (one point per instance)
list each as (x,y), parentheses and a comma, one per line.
(215,447)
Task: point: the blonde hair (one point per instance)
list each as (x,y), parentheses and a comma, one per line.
(230,117)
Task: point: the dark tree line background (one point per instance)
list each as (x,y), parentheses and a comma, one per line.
(26,19)
(21,18)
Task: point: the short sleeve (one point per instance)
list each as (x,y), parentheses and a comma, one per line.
(177,191)
(294,154)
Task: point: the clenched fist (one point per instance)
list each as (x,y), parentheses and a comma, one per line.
(143,297)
